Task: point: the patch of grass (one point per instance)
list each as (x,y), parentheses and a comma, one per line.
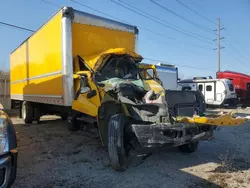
(226,161)
(220,179)
(230,163)
(239,180)
(204,184)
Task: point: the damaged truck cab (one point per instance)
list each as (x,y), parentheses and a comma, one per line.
(85,68)
(134,111)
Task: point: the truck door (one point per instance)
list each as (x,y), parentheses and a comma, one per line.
(87,97)
(209,93)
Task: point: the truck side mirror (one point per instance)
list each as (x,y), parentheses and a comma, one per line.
(91,94)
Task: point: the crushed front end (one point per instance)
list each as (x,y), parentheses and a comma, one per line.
(156,116)
(155,124)
(137,111)
(154,135)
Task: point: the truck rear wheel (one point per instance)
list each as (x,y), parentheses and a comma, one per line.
(27,112)
(189,148)
(116,147)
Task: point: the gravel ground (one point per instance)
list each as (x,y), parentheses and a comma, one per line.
(51,156)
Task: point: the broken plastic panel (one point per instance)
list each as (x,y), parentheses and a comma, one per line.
(227,119)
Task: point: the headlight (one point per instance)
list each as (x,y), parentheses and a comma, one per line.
(3,135)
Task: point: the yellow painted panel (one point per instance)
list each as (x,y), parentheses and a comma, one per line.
(18,68)
(40,54)
(17,88)
(88,40)
(45,49)
(51,85)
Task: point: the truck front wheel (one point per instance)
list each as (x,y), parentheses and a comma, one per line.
(116,142)
(27,112)
(189,148)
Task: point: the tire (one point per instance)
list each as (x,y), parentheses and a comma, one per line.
(116,147)
(27,112)
(12,176)
(73,124)
(37,114)
(13,172)
(189,148)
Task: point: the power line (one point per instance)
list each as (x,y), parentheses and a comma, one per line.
(141,27)
(48,2)
(237,59)
(26,29)
(236,50)
(81,4)
(22,28)
(183,18)
(198,6)
(240,51)
(181,3)
(155,17)
(152,19)
(185,66)
(146,29)
(16,26)
(218,41)
(226,41)
(159,34)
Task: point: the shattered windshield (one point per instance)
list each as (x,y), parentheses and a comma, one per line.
(119,67)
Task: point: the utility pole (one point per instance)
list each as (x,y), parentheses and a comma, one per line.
(218,41)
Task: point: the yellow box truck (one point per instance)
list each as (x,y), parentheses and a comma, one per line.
(42,66)
(85,68)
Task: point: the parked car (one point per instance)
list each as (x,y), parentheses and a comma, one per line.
(8,151)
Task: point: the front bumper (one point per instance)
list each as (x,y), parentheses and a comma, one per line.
(8,165)
(155,135)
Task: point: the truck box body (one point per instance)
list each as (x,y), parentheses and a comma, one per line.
(41,68)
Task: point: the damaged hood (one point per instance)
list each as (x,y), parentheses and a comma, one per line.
(97,60)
